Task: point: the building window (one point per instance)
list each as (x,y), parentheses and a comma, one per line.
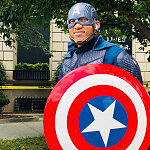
(33,55)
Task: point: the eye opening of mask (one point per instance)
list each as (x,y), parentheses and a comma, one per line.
(71,21)
(83,19)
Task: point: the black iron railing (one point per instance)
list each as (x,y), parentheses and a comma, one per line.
(31,75)
(30,104)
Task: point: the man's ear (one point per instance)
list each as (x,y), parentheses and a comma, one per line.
(97,24)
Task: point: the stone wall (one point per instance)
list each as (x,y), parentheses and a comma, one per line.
(8,57)
(13,94)
(141,58)
(59,42)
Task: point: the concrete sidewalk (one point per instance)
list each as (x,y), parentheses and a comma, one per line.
(12,130)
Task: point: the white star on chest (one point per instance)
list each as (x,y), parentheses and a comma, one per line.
(103,122)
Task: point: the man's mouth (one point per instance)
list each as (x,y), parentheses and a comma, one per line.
(79,32)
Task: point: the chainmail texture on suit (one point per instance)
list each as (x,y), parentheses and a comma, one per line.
(126,62)
(81,59)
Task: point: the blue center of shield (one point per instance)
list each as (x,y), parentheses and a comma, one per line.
(103,121)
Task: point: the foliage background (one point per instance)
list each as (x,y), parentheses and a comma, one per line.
(127,18)
(37,66)
(3,78)
(3,99)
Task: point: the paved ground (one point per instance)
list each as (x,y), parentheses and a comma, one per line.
(21,129)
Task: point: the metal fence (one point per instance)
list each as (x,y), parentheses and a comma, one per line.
(30,104)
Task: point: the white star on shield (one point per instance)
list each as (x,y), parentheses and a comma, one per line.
(103,122)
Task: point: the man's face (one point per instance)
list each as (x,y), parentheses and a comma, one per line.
(80,32)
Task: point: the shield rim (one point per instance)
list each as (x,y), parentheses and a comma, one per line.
(77,74)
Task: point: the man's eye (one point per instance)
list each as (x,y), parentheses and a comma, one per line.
(83,20)
(71,21)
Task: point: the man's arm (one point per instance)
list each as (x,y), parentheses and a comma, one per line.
(61,72)
(128,63)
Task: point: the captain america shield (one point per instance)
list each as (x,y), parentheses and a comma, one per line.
(97,106)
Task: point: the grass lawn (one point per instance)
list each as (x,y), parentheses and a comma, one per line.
(35,143)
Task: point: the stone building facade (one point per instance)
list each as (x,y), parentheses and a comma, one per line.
(8,56)
(58,44)
(141,58)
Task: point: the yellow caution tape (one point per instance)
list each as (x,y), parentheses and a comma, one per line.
(25,87)
(147,88)
(36,87)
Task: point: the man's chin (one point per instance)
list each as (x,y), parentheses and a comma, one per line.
(79,42)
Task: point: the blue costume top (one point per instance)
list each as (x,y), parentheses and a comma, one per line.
(99,51)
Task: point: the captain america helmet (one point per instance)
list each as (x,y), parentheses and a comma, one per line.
(82,10)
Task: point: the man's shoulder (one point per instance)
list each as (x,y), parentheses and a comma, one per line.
(114,50)
(112,53)
(102,44)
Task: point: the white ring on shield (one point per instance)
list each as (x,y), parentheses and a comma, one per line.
(87,82)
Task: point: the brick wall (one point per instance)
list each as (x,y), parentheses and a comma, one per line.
(8,58)
(59,42)
(141,58)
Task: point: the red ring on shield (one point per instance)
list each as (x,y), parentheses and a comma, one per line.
(83,98)
(76,75)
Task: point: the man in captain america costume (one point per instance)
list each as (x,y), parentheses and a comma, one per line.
(89,48)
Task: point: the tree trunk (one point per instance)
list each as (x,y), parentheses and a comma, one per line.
(144,31)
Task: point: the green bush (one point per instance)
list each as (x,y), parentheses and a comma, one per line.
(3,102)
(56,73)
(44,66)
(3,76)
(18,67)
(37,66)
(24,66)
(30,67)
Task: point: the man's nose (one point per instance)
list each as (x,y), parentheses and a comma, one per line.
(78,26)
